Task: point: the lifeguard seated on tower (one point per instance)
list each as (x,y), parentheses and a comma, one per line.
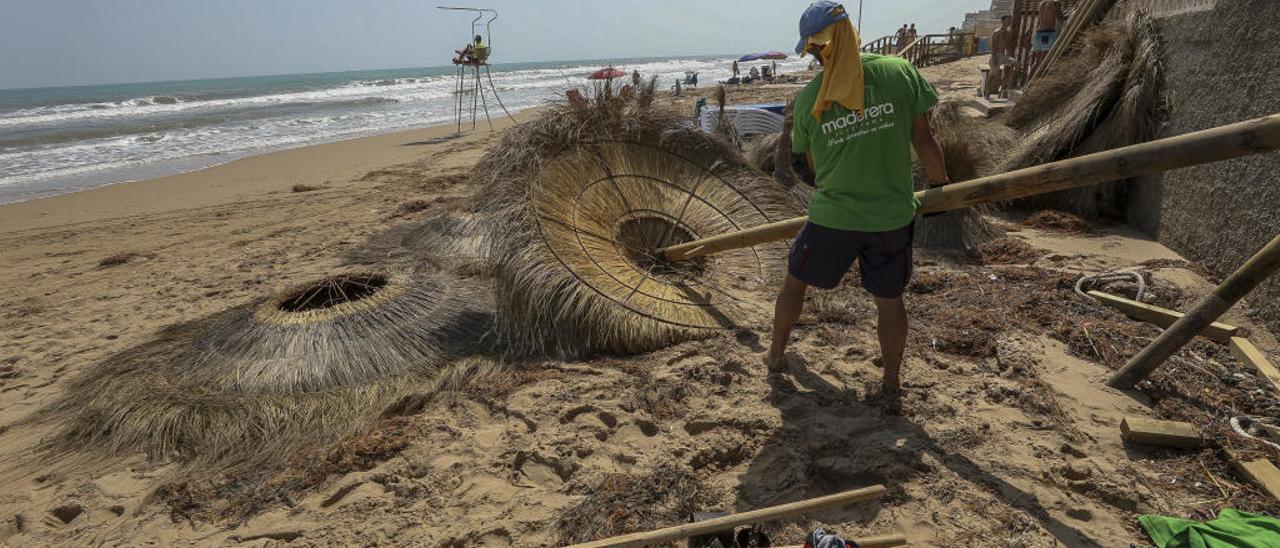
(476,53)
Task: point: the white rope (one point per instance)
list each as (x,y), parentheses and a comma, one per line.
(1113,275)
(1235,425)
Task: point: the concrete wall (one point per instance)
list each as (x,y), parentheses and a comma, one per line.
(1222,66)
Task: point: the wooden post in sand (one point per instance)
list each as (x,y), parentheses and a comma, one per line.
(733,520)
(1201,147)
(1207,311)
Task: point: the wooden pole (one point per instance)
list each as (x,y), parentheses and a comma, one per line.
(1208,310)
(733,520)
(1200,147)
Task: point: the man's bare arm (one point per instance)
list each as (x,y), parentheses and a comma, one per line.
(928,151)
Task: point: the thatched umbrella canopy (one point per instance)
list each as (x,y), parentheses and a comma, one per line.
(260,382)
(1107,96)
(579,273)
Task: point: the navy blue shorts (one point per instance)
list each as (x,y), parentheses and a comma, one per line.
(821,256)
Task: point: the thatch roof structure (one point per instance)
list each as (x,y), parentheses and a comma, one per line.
(1106,96)
(579,199)
(260,382)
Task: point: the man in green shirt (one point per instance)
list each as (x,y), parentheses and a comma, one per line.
(864,207)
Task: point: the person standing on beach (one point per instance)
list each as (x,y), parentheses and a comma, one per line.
(1003,64)
(901,37)
(1047,26)
(857,123)
(735,68)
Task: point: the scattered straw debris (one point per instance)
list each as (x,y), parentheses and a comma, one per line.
(304,188)
(119,259)
(1009,250)
(626,503)
(410,207)
(1058,221)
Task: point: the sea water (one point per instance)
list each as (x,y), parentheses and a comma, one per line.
(58,140)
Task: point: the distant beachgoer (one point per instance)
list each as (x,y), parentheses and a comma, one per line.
(774,68)
(1047,26)
(911,34)
(1003,64)
(901,37)
(735,68)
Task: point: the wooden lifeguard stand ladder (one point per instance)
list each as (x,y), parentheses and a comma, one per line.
(470,67)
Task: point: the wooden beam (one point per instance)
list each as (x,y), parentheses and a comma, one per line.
(733,520)
(879,541)
(1240,283)
(1249,354)
(1262,473)
(1162,317)
(1162,433)
(1200,147)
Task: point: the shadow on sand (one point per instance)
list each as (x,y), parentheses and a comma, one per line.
(833,440)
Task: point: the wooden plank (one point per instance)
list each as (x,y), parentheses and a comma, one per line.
(755,516)
(1162,317)
(879,541)
(1158,432)
(1211,307)
(1246,352)
(1262,473)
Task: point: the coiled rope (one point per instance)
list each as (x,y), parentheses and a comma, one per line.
(1110,276)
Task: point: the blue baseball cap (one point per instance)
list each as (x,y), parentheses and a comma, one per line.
(819,15)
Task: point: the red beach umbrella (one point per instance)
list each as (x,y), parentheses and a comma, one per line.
(606,74)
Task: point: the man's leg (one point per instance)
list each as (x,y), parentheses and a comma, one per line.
(892,329)
(786,310)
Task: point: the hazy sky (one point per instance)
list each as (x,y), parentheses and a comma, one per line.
(71,42)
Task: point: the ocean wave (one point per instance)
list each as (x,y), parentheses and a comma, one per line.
(87,143)
(165,105)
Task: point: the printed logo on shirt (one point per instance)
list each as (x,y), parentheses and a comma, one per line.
(860,123)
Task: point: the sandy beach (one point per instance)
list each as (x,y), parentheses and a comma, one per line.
(1017,447)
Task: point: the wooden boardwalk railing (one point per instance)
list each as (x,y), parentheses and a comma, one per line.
(927,50)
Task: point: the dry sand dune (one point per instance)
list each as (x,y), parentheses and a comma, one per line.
(1008,437)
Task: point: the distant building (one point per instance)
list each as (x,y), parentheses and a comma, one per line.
(983,23)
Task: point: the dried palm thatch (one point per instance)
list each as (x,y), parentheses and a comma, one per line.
(578,270)
(1107,96)
(456,242)
(258,383)
(346,330)
(972,148)
(578,199)
(771,154)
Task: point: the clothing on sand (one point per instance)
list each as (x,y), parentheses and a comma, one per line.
(1232,529)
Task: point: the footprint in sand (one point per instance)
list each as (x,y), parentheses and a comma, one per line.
(544,471)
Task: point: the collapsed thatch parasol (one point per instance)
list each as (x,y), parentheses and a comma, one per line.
(972,148)
(260,382)
(578,269)
(576,199)
(1107,96)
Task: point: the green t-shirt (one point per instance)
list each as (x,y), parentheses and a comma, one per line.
(863,160)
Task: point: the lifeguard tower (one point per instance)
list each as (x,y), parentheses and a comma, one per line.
(470,61)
